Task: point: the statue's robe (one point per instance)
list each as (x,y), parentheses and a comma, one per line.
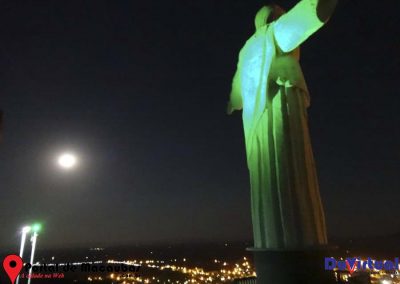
(269,86)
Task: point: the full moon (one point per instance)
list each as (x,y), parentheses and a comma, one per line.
(67,160)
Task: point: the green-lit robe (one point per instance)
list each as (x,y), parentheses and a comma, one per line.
(269,86)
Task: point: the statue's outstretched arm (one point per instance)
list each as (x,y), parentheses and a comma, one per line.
(304,19)
(235,99)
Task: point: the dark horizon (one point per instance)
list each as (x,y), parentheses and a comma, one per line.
(388,241)
(379,244)
(138,90)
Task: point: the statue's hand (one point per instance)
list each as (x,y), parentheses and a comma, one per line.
(325,9)
(229,108)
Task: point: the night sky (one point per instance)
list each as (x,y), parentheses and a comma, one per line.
(139,90)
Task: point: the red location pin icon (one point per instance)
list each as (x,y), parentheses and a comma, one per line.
(13,264)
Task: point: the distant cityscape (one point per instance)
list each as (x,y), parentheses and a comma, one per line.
(226,263)
(179,272)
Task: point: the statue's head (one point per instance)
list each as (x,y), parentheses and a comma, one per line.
(268,14)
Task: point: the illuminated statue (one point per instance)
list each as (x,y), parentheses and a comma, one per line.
(269,86)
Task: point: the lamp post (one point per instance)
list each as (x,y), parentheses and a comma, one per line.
(35,229)
(24,231)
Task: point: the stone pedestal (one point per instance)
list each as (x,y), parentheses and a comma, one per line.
(292,266)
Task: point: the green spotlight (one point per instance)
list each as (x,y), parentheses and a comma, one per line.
(36,227)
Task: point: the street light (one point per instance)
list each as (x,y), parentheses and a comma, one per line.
(24,231)
(35,228)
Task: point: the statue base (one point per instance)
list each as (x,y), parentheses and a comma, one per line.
(306,266)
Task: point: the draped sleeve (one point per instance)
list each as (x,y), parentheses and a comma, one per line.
(236,94)
(294,27)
